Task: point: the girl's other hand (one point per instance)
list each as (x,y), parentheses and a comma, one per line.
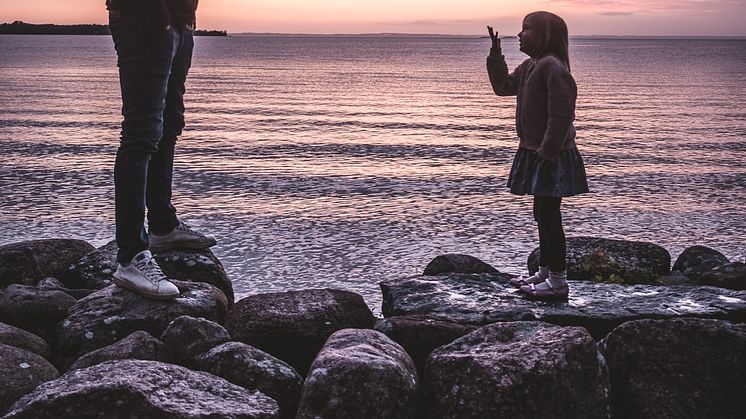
(493,36)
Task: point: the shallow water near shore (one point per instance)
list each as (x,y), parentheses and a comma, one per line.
(345,161)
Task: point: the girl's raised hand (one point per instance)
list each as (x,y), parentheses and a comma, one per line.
(493,36)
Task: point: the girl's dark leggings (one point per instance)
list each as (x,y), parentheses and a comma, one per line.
(552,247)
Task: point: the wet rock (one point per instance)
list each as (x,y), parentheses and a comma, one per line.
(360,374)
(29,261)
(696,260)
(420,335)
(113,313)
(294,325)
(13,336)
(139,345)
(186,338)
(615,261)
(22,371)
(96,268)
(677,368)
(34,309)
(254,369)
(482,299)
(517,370)
(453,262)
(127,388)
(730,275)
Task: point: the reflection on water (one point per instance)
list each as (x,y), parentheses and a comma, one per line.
(341,162)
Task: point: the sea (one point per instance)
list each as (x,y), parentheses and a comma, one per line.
(344,161)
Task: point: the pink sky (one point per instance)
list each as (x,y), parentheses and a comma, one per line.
(468,17)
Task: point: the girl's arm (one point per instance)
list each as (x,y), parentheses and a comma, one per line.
(503,84)
(562,93)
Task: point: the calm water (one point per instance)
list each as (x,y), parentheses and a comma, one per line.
(341,162)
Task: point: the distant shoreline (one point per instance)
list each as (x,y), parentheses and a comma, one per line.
(23,28)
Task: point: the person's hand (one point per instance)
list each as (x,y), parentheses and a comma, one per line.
(493,36)
(544,164)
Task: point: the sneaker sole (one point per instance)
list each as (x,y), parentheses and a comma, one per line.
(126,285)
(183,245)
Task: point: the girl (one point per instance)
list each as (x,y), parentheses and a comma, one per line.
(547,164)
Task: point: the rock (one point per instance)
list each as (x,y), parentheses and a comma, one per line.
(695,260)
(34,309)
(457,263)
(254,369)
(484,298)
(420,335)
(517,370)
(113,313)
(13,336)
(146,389)
(677,368)
(186,338)
(730,275)
(29,261)
(294,325)
(54,284)
(360,374)
(96,268)
(615,261)
(138,345)
(22,371)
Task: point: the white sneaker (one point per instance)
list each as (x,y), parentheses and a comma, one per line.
(181,236)
(144,277)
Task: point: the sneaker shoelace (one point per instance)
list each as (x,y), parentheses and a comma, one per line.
(185,228)
(151,271)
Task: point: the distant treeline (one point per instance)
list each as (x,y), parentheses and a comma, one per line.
(23,28)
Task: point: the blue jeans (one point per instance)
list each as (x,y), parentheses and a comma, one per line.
(153,63)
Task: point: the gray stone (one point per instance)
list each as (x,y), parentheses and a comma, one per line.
(731,276)
(294,325)
(29,261)
(517,370)
(453,262)
(144,389)
(34,309)
(617,261)
(22,371)
(695,260)
(54,284)
(482,299)
(360,374)
(138,345)
(186,338)
(254,369)
(96,268)
(420,335)
(677,368)
(113,313)
(13,336)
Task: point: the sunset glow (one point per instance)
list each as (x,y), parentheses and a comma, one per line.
(468,17)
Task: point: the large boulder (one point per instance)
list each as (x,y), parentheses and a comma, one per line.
(517,370)
(113,313)
(95,269)
(420,335)
(255,369)
(29,261)
(482,299)
(139,345)
(360,374)
(187,338)
(696,260)
(34,309)
(677,368)
(22,371)
(731,276)
(294,325)
(148,389)
(14,336)
(605,260)
(454,262)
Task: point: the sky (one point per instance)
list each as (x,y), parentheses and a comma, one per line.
(464,17)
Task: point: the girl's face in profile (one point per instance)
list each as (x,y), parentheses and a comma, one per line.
(529,36)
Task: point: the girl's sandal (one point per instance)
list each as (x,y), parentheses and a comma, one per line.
(549,294)
(521,281)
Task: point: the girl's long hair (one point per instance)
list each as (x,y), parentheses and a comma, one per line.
(554,38)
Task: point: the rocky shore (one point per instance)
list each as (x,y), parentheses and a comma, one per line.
(636,339)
